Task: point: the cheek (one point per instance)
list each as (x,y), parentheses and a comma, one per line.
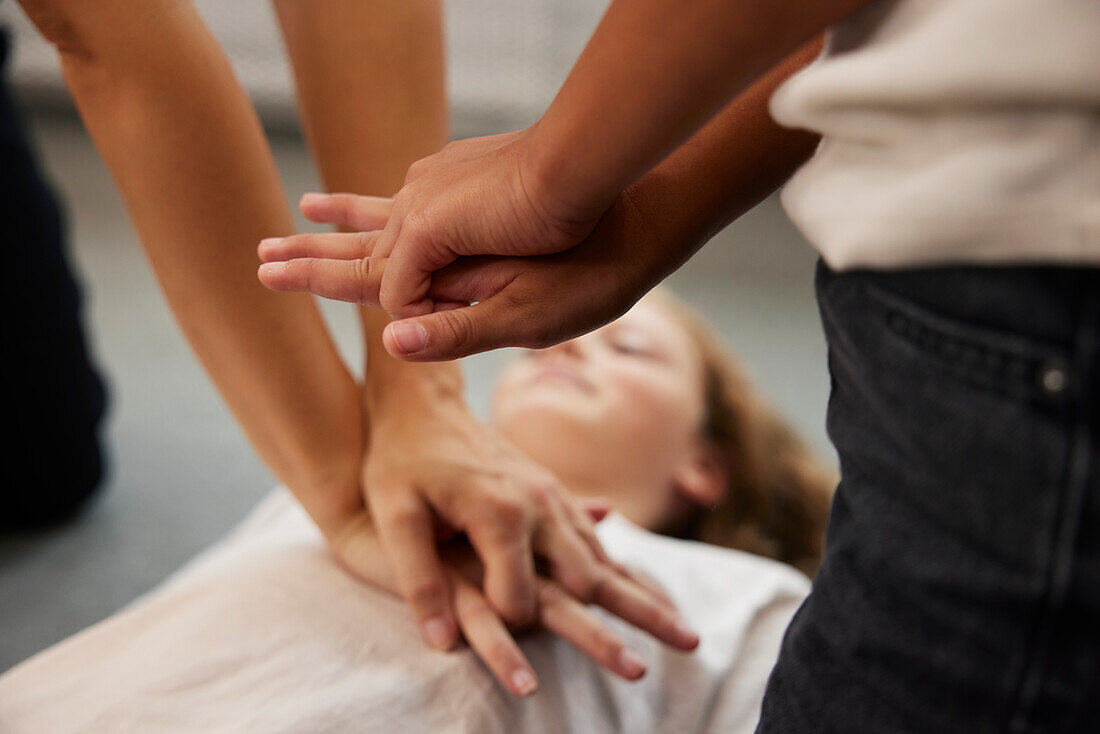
(504,393)
(657,406)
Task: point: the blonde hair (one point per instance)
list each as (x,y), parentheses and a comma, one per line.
(779,493)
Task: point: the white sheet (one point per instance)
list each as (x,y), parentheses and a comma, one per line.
(263,633)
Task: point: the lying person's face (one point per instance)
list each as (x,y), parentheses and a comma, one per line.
(617,413)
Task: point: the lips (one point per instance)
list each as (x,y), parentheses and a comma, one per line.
(563,374)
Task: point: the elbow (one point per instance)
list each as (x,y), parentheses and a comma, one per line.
(64,24)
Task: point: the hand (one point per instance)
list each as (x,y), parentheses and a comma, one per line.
(432,470)
(518,301)
(360,549)
(470,198)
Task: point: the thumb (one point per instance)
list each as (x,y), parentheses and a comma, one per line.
(459,332)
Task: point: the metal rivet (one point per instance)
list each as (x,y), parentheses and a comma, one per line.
(1053,379)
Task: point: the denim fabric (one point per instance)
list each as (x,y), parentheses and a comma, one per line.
(53,397)
(960,590)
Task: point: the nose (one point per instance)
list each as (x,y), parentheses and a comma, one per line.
(571,348)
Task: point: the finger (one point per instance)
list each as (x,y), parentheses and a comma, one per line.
(416,253)
(491,641)
(408,535)
(331,245)
(460,332)
(504,548)
(475,278)
(356,281)
(635,603)
(601,584)
(584,524)
(347,210)
(568,618)
(648,584)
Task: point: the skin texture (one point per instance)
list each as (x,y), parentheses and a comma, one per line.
(738,158)
(201,195)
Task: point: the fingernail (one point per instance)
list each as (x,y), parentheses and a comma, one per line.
(686,633)
(523,682)
(631,663)
(310,197)
(267,242)
(437,633)
(410,338)
(272,268)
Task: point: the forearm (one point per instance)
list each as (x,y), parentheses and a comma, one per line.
(188,154)
(740,157)
(652,74)
(371,88)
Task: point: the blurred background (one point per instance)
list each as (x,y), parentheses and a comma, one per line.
(180,473)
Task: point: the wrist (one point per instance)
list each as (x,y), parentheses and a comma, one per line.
(400,387)
(331,498)
(561,189)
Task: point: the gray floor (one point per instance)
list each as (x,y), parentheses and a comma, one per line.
(182,474)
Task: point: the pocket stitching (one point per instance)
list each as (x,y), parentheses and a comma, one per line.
(979,355)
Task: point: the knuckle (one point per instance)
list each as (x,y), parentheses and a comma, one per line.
(415,170)
(508,513)
(655,618)
(419,221)
(370,280)
(403,514)
(362,278)
(588,585)
(425,593)
(456,327)
(309,270)
(550,595)
(363,242)
(481,616)
(519,613)
(542,495)
(469,606)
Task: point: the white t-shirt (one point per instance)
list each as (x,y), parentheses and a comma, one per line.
(953,131)
(265,634)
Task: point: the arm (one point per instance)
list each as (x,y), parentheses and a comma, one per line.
(187,152)
(654,226)
(371,85)
(653,72)
(651,75)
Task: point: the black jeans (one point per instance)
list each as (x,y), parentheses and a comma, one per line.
(53,398)
(960,590)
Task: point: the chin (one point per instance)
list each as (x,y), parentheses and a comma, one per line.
(550,434)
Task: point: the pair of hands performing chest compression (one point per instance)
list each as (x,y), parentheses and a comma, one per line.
(530,238)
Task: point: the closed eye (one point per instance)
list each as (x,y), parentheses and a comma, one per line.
(634,349)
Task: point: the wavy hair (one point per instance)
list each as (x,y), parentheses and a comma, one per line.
(779,493)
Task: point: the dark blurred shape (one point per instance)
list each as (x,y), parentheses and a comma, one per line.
(53,398)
